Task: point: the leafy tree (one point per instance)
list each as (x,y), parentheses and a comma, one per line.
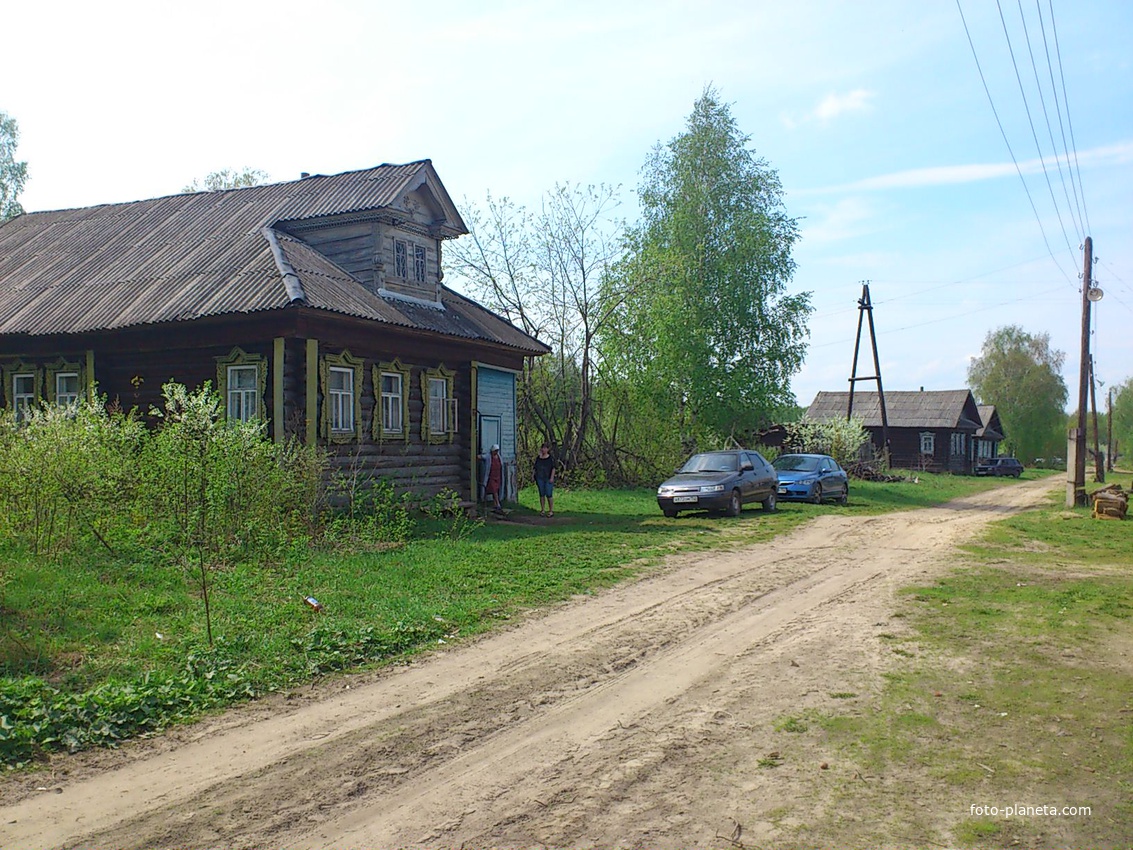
(13,175)
(227,178)
(1122,414)
(1021,375)
(704,328)
(544,272)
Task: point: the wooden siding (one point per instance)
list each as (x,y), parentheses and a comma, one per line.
(131,365)
(905,450)
(353,246)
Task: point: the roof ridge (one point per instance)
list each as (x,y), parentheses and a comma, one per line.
(291,280)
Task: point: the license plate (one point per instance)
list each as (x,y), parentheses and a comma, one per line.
(684,499)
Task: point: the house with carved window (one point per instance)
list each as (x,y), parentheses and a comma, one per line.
(934,430)
(316,306)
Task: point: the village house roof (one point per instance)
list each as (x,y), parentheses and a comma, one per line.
(205,254)
(952,409)
(992,428)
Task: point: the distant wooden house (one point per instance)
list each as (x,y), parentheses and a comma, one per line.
(315,306)
(933,430)
(990,434)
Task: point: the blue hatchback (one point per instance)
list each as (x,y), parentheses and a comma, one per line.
(811,478)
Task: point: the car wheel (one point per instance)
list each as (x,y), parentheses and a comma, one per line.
(769,503)
(845,498)
(669,512)
(816,494)
(734,504)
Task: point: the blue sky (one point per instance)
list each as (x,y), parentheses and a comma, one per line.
(873,114)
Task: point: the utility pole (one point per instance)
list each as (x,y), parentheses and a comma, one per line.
(1109,430)
(1099,464)
(865,308)
(1076,483)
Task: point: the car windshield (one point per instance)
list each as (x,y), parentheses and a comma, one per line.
(795,463)
(723,462)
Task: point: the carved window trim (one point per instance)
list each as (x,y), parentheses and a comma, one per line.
(354,365)
(60,368)
(928,443)
(21,369)
(447,411)
(238,358)
(380,431)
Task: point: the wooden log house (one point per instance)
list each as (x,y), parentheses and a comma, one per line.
(937,430)
(315,305)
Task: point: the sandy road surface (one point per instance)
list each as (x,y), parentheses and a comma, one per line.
(634,718)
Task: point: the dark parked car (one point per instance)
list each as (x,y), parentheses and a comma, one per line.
(719,481)
(999,466)
(812,478)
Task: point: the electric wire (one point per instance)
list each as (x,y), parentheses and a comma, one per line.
(936,286)
(1031,122)
(1074,185)
(1007,142)
(1030,297)
(1046,119)
(1069,120)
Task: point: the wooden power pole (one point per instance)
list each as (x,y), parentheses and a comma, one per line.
(1076,485)
(865,309)
(1099,464)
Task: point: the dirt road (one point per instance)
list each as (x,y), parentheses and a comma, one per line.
(634,718)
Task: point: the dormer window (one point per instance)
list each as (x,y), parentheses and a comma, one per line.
(409,260)
(401,258)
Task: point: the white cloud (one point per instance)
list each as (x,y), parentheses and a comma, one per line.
(849,217)
(834,105)
(942,175)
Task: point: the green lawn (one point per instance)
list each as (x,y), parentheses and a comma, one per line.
(118,645)
(1010,685)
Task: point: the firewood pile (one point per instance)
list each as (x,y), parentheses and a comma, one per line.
(1110,502)
(867,471)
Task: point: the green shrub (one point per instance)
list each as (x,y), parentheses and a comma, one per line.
(842,439)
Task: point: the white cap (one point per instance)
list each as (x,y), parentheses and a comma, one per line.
(495,447)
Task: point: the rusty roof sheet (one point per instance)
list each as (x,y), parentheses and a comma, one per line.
(954,409)
(202,254)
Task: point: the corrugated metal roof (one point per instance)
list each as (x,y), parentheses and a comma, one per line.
(992,428)
(931,409)
(190,256)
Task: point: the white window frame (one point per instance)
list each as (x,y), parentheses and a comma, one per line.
(243,403)
(401,258)
(420,262)
(67,399)
(341,401)
(23,402)
(438,405)
(392,402)
(439,415)
(928,443)
(957,442)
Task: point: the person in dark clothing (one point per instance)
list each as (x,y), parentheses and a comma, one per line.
(545,480)
(495,478)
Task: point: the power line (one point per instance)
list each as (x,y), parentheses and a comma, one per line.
(1069,121)
(1029,297)
(1030,121)
(937,285)
(1046,116)
(1058,108)
(1007,142)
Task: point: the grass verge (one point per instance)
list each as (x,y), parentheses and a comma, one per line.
(1011,703)
(95,649)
